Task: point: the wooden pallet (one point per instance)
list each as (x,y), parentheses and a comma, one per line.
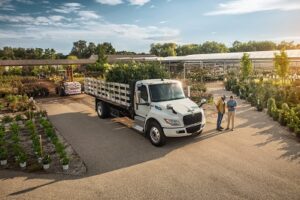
(124,120)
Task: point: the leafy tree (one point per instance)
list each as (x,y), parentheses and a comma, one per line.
(128,72)
(246,65)
(91,50)
(188,49)
(79,49)
(107,48)
(164,50)
(213,47)
(281,63)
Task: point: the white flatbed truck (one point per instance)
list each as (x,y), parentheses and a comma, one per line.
(158,107)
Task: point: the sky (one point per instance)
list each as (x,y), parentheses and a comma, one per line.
(133,25)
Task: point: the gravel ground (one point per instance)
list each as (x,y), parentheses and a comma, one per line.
(259,160)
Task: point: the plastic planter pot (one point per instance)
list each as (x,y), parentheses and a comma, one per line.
(23,164)
(65,167)
(46,166)
(3,162)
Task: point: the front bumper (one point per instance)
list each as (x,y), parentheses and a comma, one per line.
(183,131)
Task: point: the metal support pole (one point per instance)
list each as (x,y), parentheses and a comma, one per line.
(184,71)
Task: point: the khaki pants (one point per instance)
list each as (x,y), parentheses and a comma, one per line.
(231,115)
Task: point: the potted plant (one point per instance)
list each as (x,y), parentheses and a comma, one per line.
(19,119)
(3,156)
(46,161)
(6,120)
(65,163)
(22,159)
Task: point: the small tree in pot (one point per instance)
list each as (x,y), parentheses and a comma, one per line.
(22,159)
(46,161)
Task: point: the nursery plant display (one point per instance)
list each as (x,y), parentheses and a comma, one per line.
(28,141)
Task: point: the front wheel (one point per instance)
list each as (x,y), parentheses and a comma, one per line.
(156,134)
(102,110)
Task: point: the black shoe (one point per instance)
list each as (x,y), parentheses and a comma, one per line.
(221,128)
(218,129)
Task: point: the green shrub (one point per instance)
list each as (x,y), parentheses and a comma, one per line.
(259,105)
(284,114)
(46,159)
(126,73)
(22,157)
(3,154)
(65,160)
(271,105)
(7,119)
(275,114)
(18,117)
(293,99)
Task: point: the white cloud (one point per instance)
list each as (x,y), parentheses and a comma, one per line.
(29,20)
(152,6)
(45,2)
(138,2)
(85,15)
(110,2)
(68,8)
(6,5)
(163,22)
(25,1)
(234,7)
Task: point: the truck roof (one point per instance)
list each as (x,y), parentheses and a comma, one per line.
(157,81)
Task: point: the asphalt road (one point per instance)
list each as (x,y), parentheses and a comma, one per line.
(259,160)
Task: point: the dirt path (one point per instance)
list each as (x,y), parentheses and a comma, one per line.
(259,160)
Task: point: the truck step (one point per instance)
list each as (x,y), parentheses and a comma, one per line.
(138,128)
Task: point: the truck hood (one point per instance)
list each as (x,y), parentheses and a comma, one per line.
(182,106)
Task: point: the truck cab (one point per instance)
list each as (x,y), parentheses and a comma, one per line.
(162,110)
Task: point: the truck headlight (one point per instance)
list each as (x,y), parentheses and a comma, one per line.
(172,122)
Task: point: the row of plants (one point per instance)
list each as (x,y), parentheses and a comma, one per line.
(19,85)
(3,146)
(59,147)
(12,142)
(19,152)
(37,147)
(285,116)
(281,101)
(257,92)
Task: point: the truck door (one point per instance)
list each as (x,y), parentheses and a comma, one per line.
(143,104)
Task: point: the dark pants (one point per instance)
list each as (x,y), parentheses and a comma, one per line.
(219,120)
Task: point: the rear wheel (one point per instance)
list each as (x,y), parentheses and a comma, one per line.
(156,134)
(61,92)
(102,109)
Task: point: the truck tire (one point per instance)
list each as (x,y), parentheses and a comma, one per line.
(156,134)
(102,110)
(62,92)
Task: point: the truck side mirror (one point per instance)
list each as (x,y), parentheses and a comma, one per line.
(202,102)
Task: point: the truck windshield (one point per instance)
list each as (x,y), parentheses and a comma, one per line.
(166,92)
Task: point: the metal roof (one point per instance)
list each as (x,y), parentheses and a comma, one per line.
(255,55)
(46,62)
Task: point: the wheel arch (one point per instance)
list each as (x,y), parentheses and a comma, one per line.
(148,121)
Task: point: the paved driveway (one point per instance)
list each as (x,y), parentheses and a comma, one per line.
(259,160)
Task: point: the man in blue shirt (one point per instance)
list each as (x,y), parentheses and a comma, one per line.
(231,105)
